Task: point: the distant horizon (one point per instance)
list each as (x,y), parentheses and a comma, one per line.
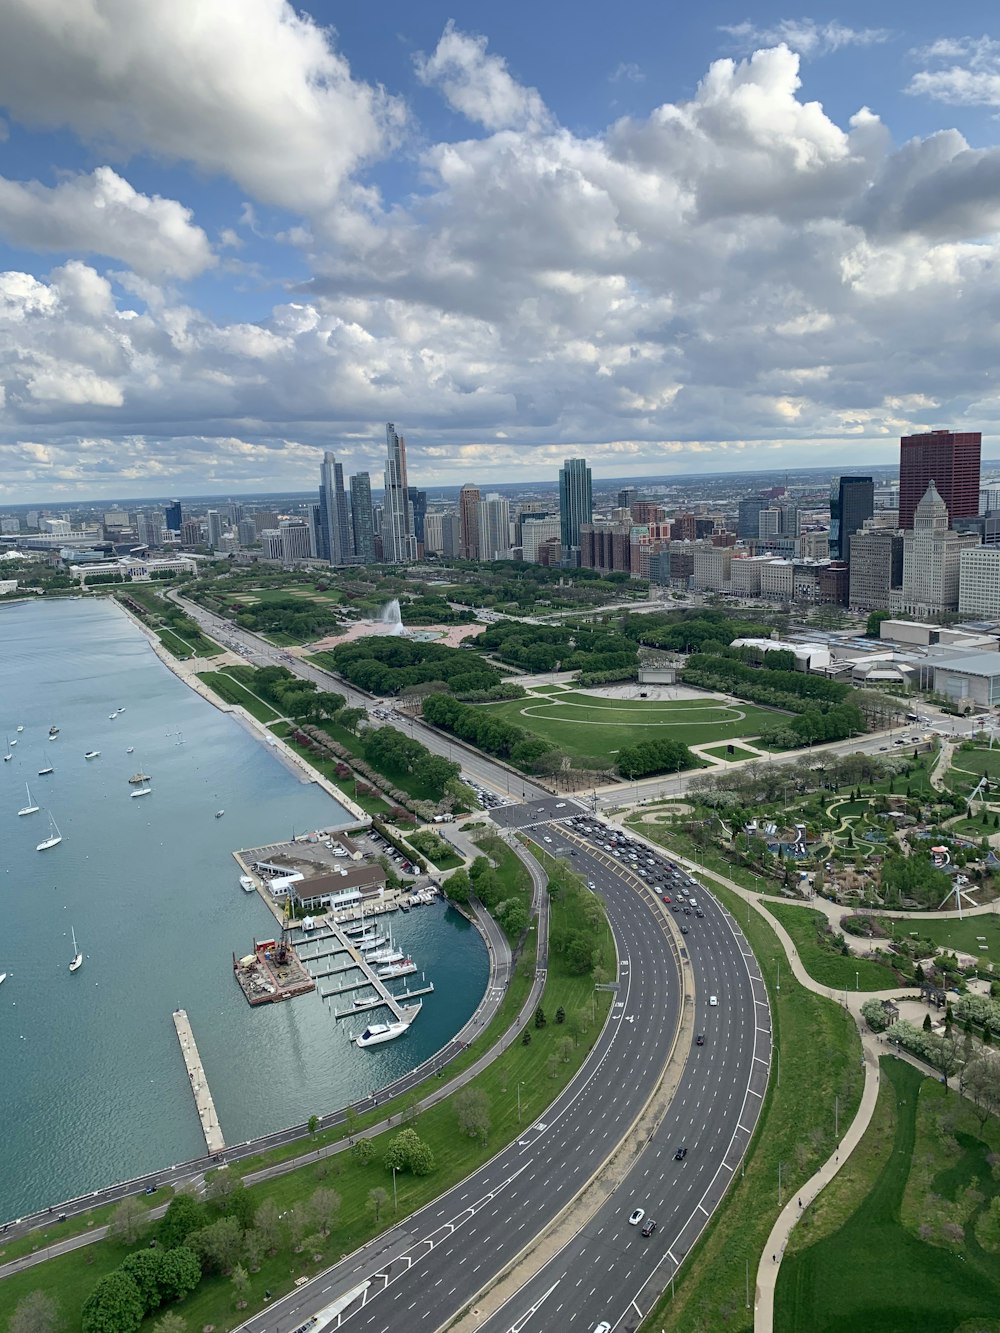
(647,479)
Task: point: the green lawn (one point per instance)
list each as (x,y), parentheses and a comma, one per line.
(878,1275)
(592,729)
(411,783)
(232,691)
(979,761)
(372,805)
(820,1061)
(823,964)
(431,846)
(722,752)
(510,870)
(962,935)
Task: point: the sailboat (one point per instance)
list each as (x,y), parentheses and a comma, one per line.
(30,808)
(46,769)
(20,726)
(54,838)
(77,962)
(10,753)
(141,791)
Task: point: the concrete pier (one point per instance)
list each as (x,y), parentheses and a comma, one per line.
(199,1085)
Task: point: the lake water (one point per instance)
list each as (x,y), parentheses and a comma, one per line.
(94,1089)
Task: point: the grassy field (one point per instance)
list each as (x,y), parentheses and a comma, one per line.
(232,691)
(592,729)
(820,1054)
(878,1274)
(953,934)
(411,783)
(979,761)
(510,871)
(432,846)
(823,964)
(372,805)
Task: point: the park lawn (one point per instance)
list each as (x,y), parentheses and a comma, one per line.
(820,1061)
(282,640)
(174,644)
(372,805)
(876,1274)
(411,783)
(232,691)
(824,965)
(446,859)
(590,729)
(979,761)
(722,752)
(510,871)
(954,934)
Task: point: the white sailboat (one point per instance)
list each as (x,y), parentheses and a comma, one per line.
(46,769)
(20,727)
(141,791)
(3,977)
(54,838)
(31,808)
(77,962)
(10,753)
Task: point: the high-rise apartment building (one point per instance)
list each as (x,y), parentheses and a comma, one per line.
(191,532)
(536,530)
(398,542)
(295,542)
(932,558)
(334,526)
(149,527)
(947,458)
(748,516)
(876,566)
(979,582)
(575,501)
(172,516)
(418,508)
(434,534)
(768,523)
(494,528)
(214,528)
(246,531)
(362,518)
(851,504)
(468,517)
(627,497)
(264,519)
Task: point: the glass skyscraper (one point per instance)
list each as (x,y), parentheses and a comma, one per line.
(575,501)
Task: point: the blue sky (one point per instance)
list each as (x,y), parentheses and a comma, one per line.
(670,237)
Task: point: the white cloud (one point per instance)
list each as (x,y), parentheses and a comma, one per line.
(251,90)
(972,79)
(102,214)
(479,85)
(627,72)
(805,35)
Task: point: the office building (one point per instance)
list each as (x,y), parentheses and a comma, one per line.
(768,523)
(575,501)
(647,511)
(295,543)
(711,568)
(468,516)
(434,534)
(536,529)
(605,546)
(851,503)
(264,518)
(748,516)
(191,532)
(979,583)
(684,527)
(363,518)
(399,545)
(627,497)
(494,528)
(948,459)
(335,543)
(876,566)
(932,558)
(418,509)
(214,528)
(246,532)
(989,500)
(272,546)
(451,534)
(172,516)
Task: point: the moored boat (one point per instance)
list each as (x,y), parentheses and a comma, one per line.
(92,754)
(247,883)
(376,1033)
(141,791)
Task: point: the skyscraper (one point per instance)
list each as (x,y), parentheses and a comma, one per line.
(948,459)
(361,517)
(398,541)
(494,528)
(575,502)
(748,524)
(214,528)
(627,497)
(172,516)
(468,518)
(334,528)
(850,505)
(932,556)
(418,507)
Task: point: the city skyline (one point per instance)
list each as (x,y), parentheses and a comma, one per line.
(684,241)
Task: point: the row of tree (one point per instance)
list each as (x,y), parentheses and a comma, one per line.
(386,666)
(290,695)
(646,757)
(548,647)
(393,753)
(489,733)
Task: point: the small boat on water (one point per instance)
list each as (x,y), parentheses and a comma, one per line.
(3,977)
(136,778)
(112,716)
(376,1033)
(77,962)
(92,754)
(13,742)
(54,838)
(219,814)
(31,808)
(402,968)
(20,728)
(371,1002)
(141,791)
(53,731)
(247,883)
(130,750)
(54,735)
(47,769)
(10,753)
(389,955)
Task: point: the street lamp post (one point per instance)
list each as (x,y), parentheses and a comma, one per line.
(519,1087)
(857,982)
(394,1202)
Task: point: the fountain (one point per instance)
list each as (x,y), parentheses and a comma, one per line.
(390,616)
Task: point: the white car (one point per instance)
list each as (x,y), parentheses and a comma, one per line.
(637,1217)
(713,1000)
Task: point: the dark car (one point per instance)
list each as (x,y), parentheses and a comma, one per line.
(649,1228)
(699,913)
(680,1154)
(684,930)
(150,1189)
(700,1039)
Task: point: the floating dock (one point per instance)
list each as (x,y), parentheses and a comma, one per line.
(199,1084)
(338,953)
(272,972)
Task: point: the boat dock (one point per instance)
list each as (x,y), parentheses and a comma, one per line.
(199,1084)
(338,954)
(272,972)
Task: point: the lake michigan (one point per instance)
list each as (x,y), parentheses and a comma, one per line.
(93,1087)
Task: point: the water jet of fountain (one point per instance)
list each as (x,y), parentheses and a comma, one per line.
(390,615)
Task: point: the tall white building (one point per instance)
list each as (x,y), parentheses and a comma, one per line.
(494,528)
(434,534)
(398,541)
(214,527)
(979,582)
(932,558)
(536,530)
(295,542)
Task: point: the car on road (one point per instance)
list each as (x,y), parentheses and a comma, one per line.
(680,1154)
(603,1327)
(637,1216)
(150,1189)
(713,1000)
(684,930)
(666,897)
(649,1228)
(700,1039)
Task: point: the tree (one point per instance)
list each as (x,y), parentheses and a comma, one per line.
(171,1322)
(927,1023)
(267,1224)
(944,1055)
(472,1107)
(114,1306)
(564,1050)
(526,1038)
(560,1015)
(220,1244)
(378,1198)
(981,1084)
(363,1151)
(458,887)
(874,1015)
(313,1125)
(241,1286)
(35,1313)
(180,1273)
(408,1152)
(184,1214)
(540,1019)
(128,1221)
(324,1206)
(145,1268)
(253,1249)
(298,1221)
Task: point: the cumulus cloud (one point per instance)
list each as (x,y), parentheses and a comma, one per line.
(102,214)
(253,91)
(961,71)
(805,35)
(479,85)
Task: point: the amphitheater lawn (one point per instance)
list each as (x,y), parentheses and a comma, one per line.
(592,729)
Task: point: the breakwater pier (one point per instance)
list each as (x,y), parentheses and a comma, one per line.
(199,1084)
